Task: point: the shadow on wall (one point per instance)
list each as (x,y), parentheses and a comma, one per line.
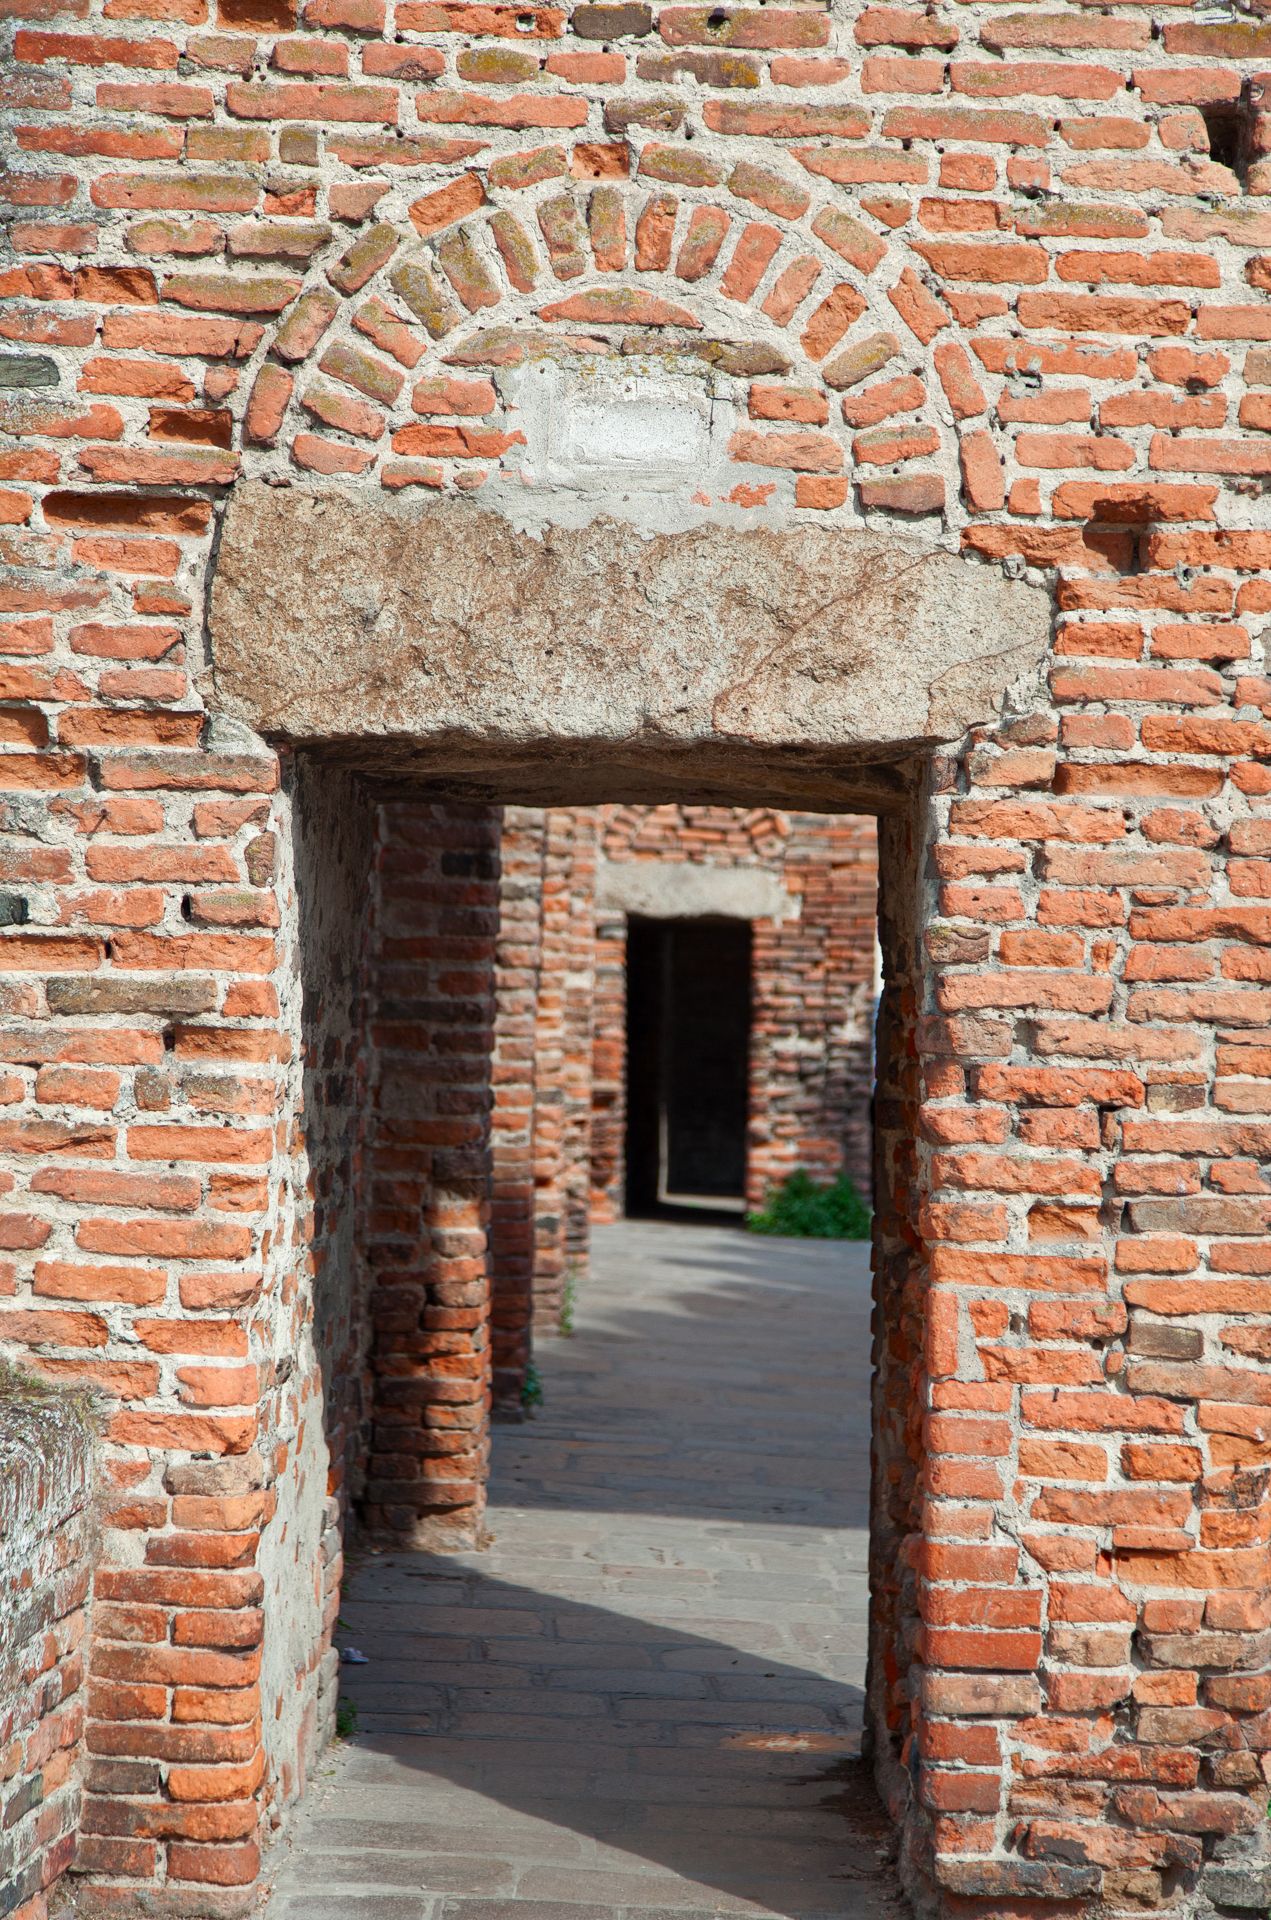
(334,852)
(727,1768)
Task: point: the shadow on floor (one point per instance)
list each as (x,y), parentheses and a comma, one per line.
(561,1749)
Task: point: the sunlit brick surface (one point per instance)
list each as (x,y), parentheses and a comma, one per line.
(973,266)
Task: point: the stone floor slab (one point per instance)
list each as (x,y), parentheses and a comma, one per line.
(642,1700)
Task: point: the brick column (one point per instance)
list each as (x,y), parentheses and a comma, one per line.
(512,1229)
(562,1058)
(609,1069)
(432,990)
(579,1014)
(543,1066)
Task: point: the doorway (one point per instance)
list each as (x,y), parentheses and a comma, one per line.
(688,1055)
(787,712)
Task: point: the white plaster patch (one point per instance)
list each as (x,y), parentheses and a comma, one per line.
(645,441)
(630,430)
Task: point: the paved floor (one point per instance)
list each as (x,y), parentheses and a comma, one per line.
(643,1699)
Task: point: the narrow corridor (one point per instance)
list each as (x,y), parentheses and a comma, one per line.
(643,1699)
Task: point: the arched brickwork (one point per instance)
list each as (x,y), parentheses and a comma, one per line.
(1070,1505)
(708,255)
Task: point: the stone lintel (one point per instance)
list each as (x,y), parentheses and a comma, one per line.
(354,624)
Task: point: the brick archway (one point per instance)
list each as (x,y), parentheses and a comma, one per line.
(383,363)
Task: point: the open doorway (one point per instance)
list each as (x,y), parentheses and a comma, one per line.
(688,1064)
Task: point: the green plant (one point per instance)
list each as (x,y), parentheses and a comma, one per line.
(800,1209)
(24,1388)
(569,1301)
(532,1388)
(345,1719)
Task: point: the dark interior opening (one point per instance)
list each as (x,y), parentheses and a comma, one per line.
(1226,123)
(688,1057)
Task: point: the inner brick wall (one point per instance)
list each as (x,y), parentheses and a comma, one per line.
(305,1472)
(812,974)
(513,1201)
(562,1057)
(971,265)
(902,1475)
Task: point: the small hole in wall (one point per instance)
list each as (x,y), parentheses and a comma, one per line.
(717,20)
(525,23)
(1227,131)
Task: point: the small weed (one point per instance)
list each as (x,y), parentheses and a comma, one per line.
(345,1719)
(532,1388)
(800,1209)
(569,1301)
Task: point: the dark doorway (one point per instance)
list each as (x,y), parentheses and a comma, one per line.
(688,1055)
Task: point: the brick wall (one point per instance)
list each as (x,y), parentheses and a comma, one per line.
(47,1449)
(971,266)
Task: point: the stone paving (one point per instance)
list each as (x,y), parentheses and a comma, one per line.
(643,1699)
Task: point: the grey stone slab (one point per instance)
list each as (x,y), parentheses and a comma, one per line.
(613,1890)
(651,1685)
(335,618)
(352,1904)
(521,1910)
(395,1867)
(562,1656)
(339,1835)
(27,370)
